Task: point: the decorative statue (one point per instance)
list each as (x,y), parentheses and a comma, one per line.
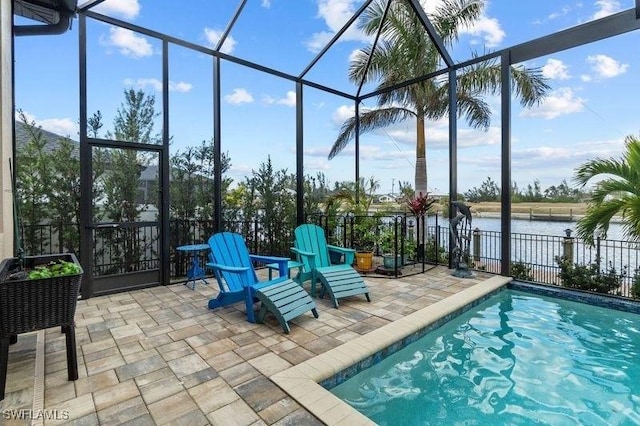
(460,227)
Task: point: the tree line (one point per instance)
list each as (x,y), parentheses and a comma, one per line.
(561,193)
(48,185)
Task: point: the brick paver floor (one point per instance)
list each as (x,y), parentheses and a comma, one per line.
(159,356)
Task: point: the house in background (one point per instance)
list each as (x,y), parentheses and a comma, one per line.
(147,182)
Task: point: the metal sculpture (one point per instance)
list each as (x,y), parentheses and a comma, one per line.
(460,227)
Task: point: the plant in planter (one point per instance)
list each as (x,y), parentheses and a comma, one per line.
(419,205)
(356,198)
(364,241)
(36,294)
(387,244)
(406,248)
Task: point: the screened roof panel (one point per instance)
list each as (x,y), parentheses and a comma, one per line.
(287,34)
(505,23)
(197,21)
(282,35)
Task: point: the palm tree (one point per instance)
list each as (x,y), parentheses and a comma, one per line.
(405,52)
(617,193)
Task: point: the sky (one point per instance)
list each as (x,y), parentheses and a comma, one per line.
(590,109)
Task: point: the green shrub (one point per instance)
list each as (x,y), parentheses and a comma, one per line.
(431,250)
(635,284)
(521,271)
(589,277)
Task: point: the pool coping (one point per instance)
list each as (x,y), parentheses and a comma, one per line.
(302,382)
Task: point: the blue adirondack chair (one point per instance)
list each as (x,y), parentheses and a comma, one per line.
(339,280)
(233,268)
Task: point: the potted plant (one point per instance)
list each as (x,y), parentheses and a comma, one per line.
(355,199)
(419,205)
(364,241)
(391,257)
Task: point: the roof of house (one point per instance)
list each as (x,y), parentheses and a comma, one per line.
(23,137)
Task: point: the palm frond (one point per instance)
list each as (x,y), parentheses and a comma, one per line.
(369,120)
(596,220)
(529,85)
(476,111)
(452,15)
(598,167)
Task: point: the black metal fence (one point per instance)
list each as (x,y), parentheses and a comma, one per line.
(418,243)
(537,256)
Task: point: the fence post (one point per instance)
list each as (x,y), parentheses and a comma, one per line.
(476,244)
(567,246)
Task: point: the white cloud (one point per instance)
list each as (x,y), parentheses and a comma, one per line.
(288,100)
(143,83)
(180,86)
(487,28)
(559,102)
(213,37)
(266,3)
(59,126)
(353,54)
(437,132)
(586,78)
(606,8)
(606,67)
(128,9)
(239,96)
(127,43)
(555,15)
(343,113)
(335,14)
(565,158)
(555,70)
(318,41)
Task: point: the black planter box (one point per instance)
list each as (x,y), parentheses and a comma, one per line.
(30,305)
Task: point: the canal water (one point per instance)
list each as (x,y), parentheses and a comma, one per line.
(534,227)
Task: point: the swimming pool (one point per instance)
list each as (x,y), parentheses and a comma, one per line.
(513,358)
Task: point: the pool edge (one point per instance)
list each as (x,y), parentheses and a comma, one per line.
(301,382)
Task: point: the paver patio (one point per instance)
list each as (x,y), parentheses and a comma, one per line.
(159,356)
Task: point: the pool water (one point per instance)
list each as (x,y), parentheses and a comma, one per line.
(516,358)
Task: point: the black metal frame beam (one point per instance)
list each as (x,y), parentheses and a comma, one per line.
(230,25)
(433,34)
(217,140)
(86,184)
(453,148)
(88,5)
(589,32)
(579,35)
(335,38)
(213,52)
(299,154)
(373,47)
(505,210)
(164,196)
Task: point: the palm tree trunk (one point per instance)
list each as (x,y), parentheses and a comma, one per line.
(421,157)
(421,174)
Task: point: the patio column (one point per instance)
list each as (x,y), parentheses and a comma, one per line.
(6,128)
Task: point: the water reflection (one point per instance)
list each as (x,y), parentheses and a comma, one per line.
(516,359)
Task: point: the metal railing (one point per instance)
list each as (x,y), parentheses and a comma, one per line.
(418,244)
(538,255)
